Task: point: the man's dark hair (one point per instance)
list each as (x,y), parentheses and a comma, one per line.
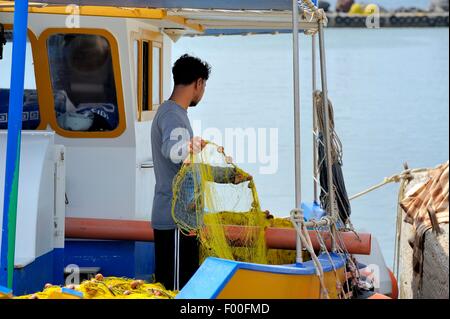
(188,69)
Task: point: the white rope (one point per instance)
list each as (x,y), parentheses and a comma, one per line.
(406,174)
(309,8)
(341,248)
(303,234)
(315,10)
(325,250)
(341,251)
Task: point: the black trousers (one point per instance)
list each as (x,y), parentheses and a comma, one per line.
(165,257)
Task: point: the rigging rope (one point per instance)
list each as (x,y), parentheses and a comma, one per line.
(406,174)
(303,234)
(315,10)
(340,203)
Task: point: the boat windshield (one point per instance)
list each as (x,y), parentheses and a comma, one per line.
(82,77)
(31,115)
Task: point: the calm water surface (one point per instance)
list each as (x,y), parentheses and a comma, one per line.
(389,88)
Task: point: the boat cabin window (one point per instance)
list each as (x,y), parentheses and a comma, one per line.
(145,76)
(156,76)
(148,52)
(31,115)
(82,78)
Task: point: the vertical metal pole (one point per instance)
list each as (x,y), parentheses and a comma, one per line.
(176,268)
(327,135)
(296,64)
(13,143)
(315,150)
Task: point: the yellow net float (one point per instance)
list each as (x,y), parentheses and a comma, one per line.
(371,9)
(356,8)
(359,9)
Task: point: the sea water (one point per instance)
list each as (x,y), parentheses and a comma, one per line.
(389,89)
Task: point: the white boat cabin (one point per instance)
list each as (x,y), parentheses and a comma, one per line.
(94,79)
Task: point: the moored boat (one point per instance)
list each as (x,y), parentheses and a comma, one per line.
(95,76)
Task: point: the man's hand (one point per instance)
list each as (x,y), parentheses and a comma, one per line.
(196,145)
(241,178)
(268,215)
(228,159)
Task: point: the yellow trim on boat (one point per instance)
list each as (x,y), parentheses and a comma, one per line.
(48,90)
(154,39)
(104,11)
(4,3)
(248,284)
(138,13)
(183,21)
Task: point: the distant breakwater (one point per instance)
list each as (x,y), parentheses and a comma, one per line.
(389,20)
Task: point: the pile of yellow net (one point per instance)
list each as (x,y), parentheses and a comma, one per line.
(210,193)
(108,288)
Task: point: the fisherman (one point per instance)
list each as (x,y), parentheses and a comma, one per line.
(172,142)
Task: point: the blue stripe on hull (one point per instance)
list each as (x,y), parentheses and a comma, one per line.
(115,258)
(58,266)
(34,276)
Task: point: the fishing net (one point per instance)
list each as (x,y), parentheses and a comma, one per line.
(218,201)
(108,288)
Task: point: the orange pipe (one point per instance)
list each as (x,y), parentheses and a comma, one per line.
(285,238)
(276,238)
(108,229)
(379,296)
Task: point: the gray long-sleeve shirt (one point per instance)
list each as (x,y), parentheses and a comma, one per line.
(171,131)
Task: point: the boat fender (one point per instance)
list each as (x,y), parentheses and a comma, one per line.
(424,21)
(339,20)
(347,21)
(360,21)
(416,20)
(409,21)
(357,22)
(378,296)
(439,21)
(393,20)
(401,21)
(394,293)
(432,21)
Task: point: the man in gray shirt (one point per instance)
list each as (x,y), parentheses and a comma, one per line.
(172,139)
